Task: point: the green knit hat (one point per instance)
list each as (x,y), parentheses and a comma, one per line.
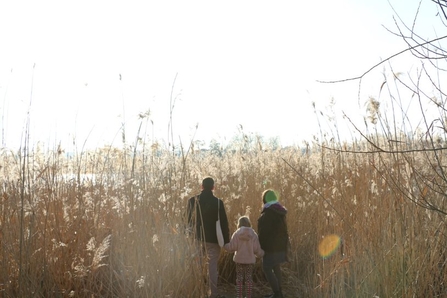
(270,197)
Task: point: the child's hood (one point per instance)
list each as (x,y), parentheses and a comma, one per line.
(245,234)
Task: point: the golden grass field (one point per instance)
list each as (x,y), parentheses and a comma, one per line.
(109,223)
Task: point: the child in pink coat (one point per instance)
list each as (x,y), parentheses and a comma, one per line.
(245,245)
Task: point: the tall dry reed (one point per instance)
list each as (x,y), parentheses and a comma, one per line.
(95,226)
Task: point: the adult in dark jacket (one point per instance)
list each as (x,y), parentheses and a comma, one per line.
(273,237)
(202,216)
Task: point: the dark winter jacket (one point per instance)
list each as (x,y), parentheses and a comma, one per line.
(202,217)
(272,229)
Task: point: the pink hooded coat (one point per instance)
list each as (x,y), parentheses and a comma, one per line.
(245,243)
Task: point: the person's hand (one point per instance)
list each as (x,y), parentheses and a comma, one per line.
(227,247)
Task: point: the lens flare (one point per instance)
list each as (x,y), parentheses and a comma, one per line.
(329,245)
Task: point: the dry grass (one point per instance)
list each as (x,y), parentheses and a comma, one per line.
(110,223)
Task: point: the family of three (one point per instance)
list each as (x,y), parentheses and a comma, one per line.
(270,242)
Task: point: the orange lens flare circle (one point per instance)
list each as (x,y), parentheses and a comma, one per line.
(329,245)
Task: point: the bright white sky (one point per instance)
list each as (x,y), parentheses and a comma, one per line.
(249,63)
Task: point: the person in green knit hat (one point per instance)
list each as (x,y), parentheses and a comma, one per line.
(273,237)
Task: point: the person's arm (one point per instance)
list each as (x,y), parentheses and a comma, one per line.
(189,216)
(232,245)
(224,222)
(265,230)
(257,248)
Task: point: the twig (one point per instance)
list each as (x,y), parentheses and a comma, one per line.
(383,61)
(314,188)
(384,151)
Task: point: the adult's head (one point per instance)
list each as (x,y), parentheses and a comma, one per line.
(269,196)
(208,183)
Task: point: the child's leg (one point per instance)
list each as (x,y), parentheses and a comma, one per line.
(248,279)
(239,279)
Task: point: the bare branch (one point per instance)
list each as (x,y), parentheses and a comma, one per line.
(314,188)
(383,61)
(383,150)
(438,52)
(442,6)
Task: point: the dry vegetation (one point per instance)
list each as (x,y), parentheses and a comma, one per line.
(110,223)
